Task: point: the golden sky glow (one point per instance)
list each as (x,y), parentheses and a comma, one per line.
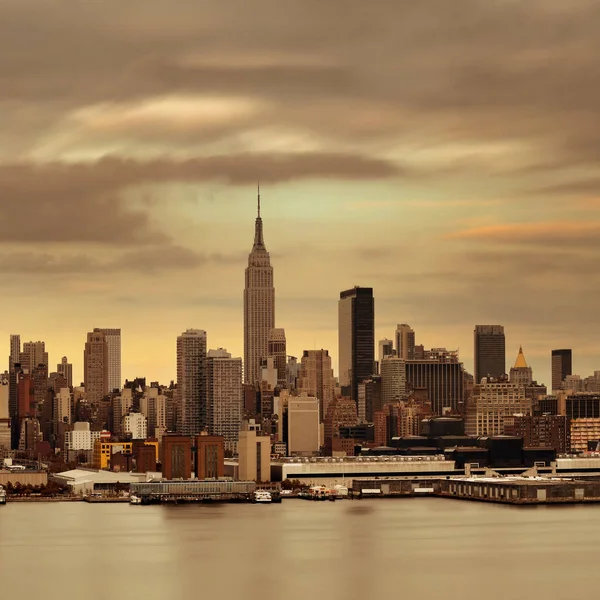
(444,153)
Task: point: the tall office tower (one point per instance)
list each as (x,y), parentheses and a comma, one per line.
(441,379)
(95,366)
(276,349)
(5,429)
(33,354)
(65,368)
(113,339)
(405,342)
(521,373)
(259,304)
(356,331)
(15,352)
(386,348)
(562,366)
(316,378)
(191,396)
(40,384)
(223,376)
(393,379)
(490,353)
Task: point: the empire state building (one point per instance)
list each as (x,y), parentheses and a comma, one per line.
(259,304)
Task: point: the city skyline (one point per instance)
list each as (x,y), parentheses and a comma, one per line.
(138,168)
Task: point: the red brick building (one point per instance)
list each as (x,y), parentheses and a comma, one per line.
(210,456)
(176,457)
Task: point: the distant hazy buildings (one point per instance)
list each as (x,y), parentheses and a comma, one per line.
(259,305)
(562,367)
(113,339)
(405,342)
(490,352)
(316,378)
(95,366)
(385,348)
(223,384)
(356,331)
(191,352)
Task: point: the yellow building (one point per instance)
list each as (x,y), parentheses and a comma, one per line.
(104,450)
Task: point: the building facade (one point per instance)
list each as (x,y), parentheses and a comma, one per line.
(191,394)
(405,342)
(276,349)
(176,457)
(303,426)
(356,331)
(316,378)
(393,379)
(113,339)
(223,384)
(493,401)
(259,305)
(65,368)
(95,366)
(490,352)
(254,454)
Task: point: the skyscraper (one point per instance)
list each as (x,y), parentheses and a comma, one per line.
(95,366)
(276,348)
(223,375)
(316,378)
(562,366)
(259,304)
(490,353)
(191,352)
(356,331)
(15,352)
(386,348)
(113,339)
(65,368)
(405,342)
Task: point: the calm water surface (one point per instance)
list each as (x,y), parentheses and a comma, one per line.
(411,549)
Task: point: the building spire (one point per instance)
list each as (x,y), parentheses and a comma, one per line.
(258,188)
(259,242)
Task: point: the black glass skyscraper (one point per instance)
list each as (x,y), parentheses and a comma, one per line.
(490,352)
(356,328)
(562,365)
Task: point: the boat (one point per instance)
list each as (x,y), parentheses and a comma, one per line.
(262,497)
(2,495)
(135,499)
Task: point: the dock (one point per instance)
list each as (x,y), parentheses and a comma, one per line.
(522,491)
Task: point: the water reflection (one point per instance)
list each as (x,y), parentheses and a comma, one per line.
(415,548)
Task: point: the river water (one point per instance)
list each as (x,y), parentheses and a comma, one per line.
(420,549)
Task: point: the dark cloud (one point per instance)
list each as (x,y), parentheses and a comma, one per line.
(474,71)
(148,260)
(83,202)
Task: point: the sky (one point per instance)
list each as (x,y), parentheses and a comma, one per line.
(444,153)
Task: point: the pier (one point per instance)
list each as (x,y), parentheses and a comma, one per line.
(505,490)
